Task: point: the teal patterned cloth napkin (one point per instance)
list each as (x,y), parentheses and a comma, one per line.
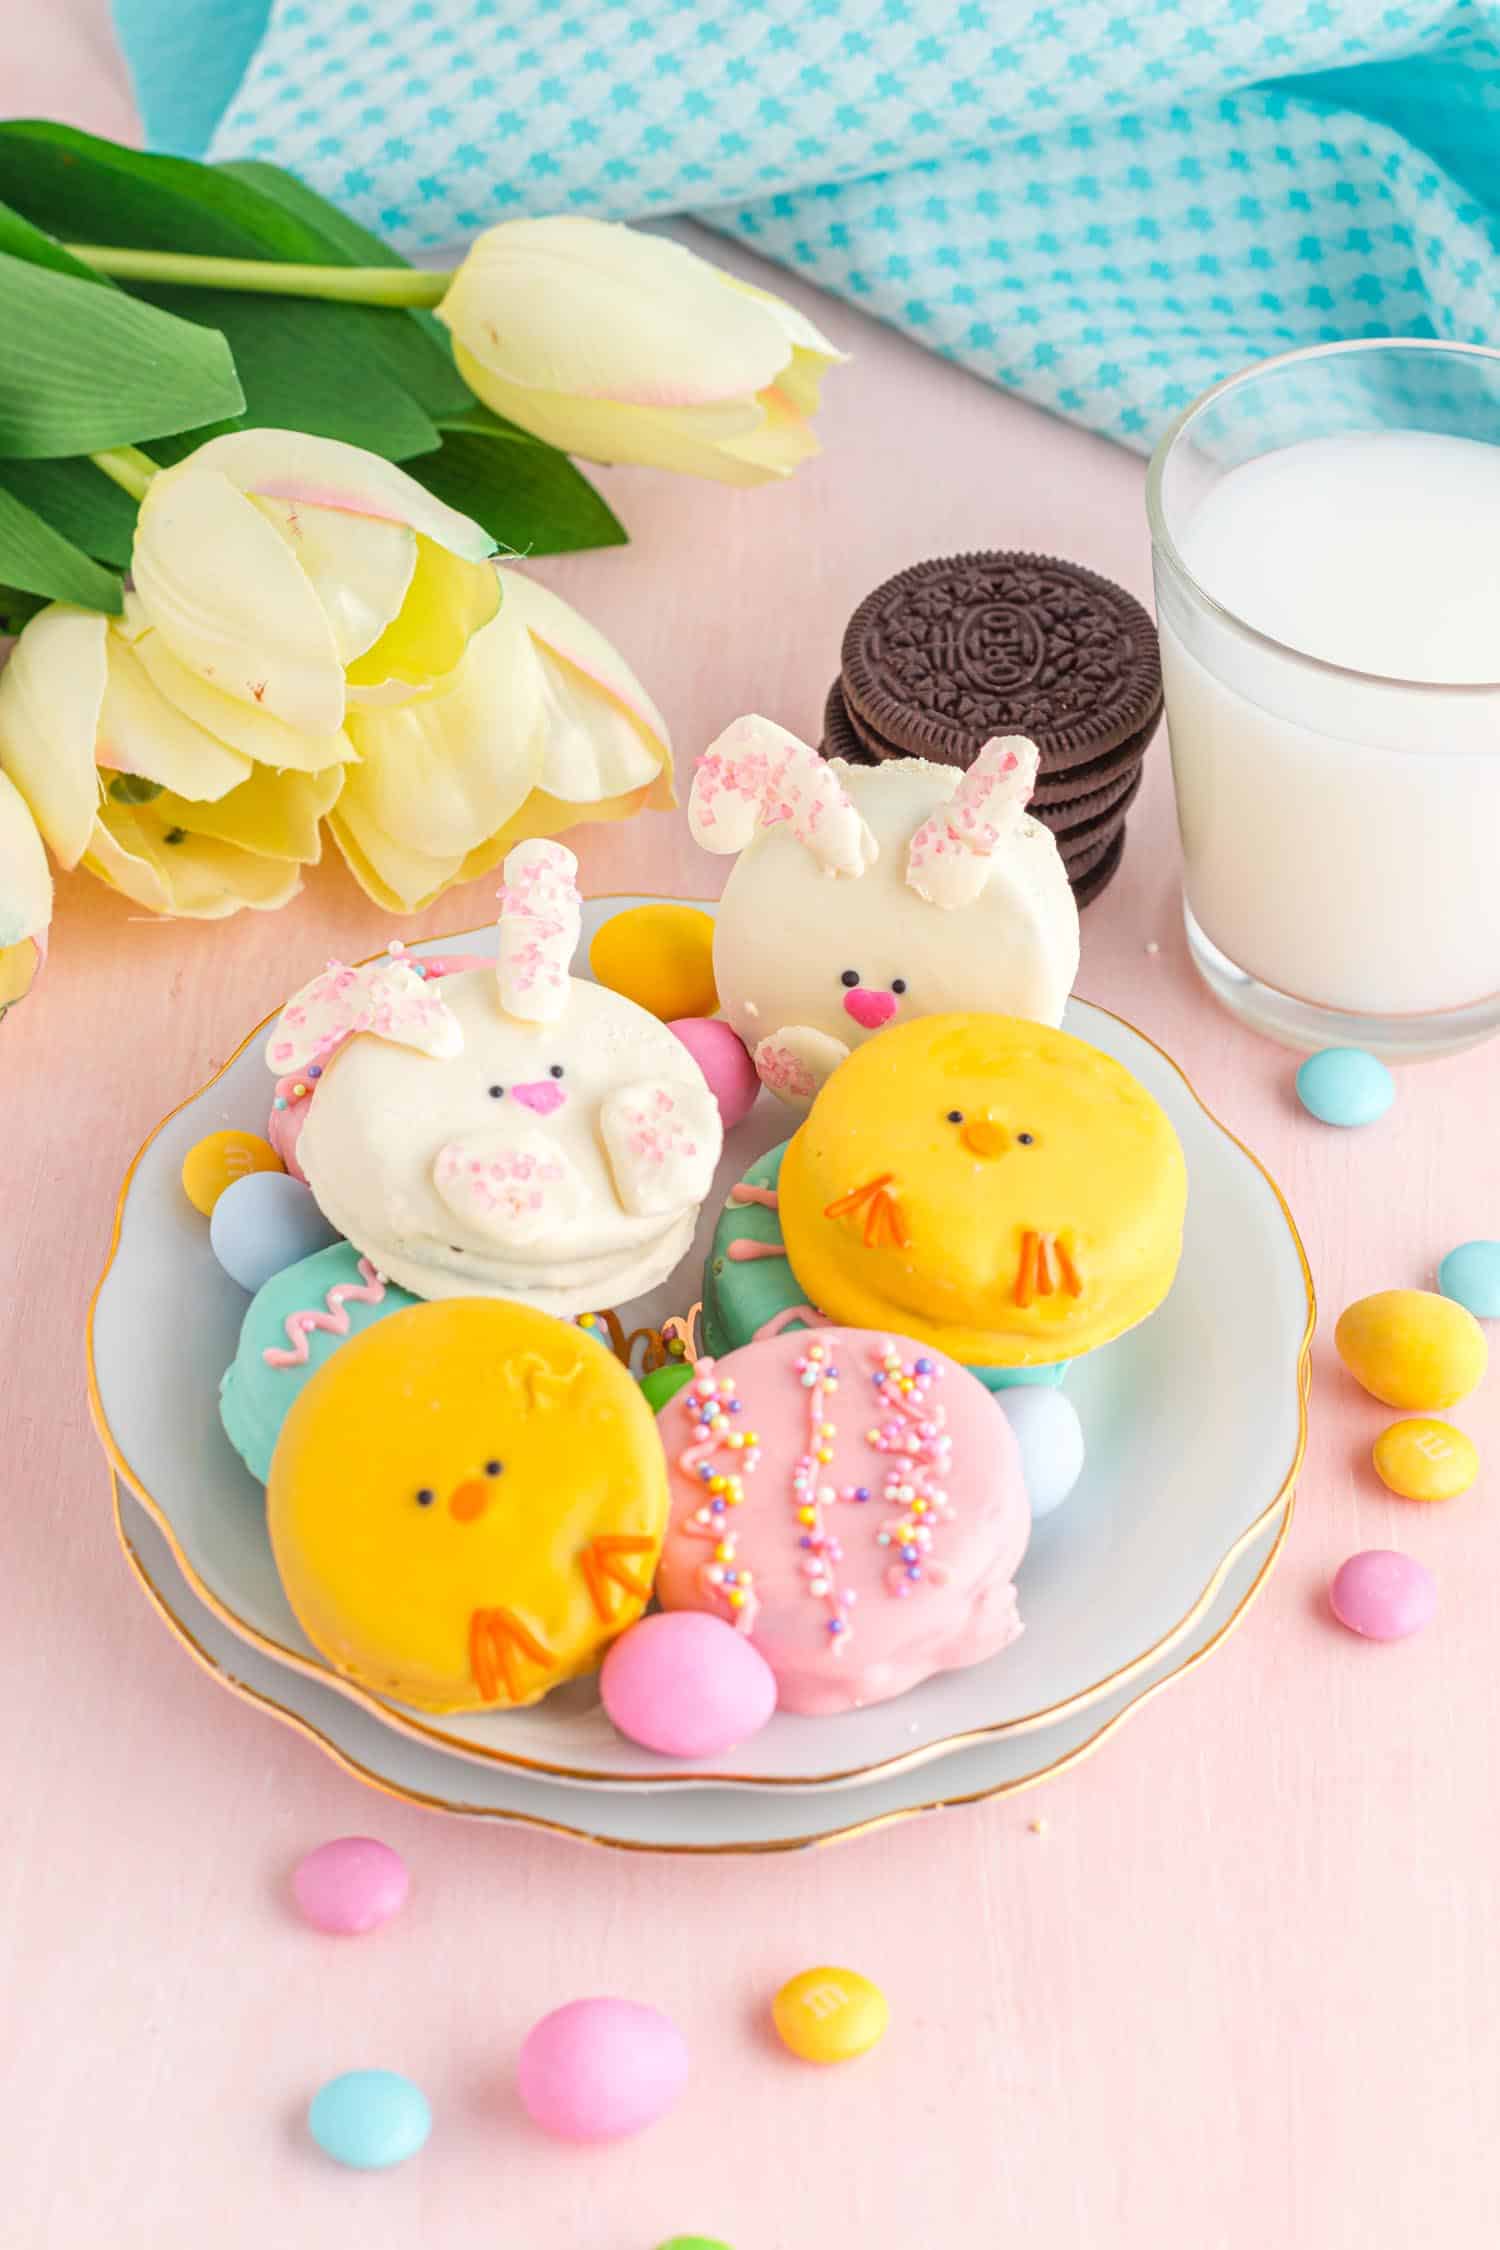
(1103,204)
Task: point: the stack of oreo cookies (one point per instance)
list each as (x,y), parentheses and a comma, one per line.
(950,652)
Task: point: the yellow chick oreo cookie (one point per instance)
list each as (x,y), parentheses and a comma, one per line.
(998,1189)
(467,1503)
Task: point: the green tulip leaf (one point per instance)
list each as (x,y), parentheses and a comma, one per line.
(20,239)
(83,368)
(301,370)
(414,345)
(35,559)
(90,190)
(79,501)
(528,496)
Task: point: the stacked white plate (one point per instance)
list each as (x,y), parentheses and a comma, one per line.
(1195,1424)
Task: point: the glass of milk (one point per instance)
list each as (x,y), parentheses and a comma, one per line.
(1326,537)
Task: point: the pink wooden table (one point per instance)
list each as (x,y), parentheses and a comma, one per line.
(1242,1991)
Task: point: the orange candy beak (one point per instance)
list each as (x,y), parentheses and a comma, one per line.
(468,1501)
(982,1137)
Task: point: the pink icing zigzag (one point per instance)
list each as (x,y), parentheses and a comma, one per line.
(333,1320)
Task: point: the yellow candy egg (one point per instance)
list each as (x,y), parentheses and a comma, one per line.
(214,1164)
(1426,1460)
(661,957)
(830,2015)
(1411,1348)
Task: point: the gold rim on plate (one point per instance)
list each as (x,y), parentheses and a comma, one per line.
(405,1722)
(897,1818)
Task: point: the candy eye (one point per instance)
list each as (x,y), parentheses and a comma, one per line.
(493,1468)
(955,1117)
(497,1093)
(850,977)
(898,984)
(1026,1139)
(556,1071)
(426,1496)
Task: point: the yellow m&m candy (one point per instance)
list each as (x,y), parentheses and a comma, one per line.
(661,957)
(1425,1460)
(830,2015)
(1411,1348)
(214,1164)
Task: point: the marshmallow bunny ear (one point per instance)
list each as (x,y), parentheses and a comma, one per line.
(385,998)
(947,860)
(755,775)
(540,918)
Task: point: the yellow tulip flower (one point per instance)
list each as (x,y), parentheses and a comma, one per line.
(25,897)
(623,346)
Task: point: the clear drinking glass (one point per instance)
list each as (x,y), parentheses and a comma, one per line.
(1340,826)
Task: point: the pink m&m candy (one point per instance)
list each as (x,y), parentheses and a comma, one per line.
(599,2069)
(687,1684)
(722,1057)
(350,1886)
(1383,1595)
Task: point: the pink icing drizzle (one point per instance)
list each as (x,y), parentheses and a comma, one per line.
(745,1191)
(743,1250)
(711,1406)
(807,1314)
(332,1317)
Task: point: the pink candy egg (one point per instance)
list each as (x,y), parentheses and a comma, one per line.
(721,1055)
(687,1684)
(599,2069)
(350,1885)
(1383,1595)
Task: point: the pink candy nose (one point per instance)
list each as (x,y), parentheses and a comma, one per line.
(544,1095)
(870,1009)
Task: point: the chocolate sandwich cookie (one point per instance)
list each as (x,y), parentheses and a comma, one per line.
(839,737)
(1086,887)
(1076,825)
(953,651)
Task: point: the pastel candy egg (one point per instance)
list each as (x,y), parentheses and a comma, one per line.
(214,1163)
(664,1383)
(369,2119)
(1426,1460)
(1050,1436)
(1383,1595)
(1345,1086)
(597,2070)
(1411,1348)
(830,2015)
(264,1223)
(350,1885)
(1470,1275)
(725,1062)
(661,957)
(686,1684)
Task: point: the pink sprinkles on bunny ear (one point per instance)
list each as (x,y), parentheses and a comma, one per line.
(386,998)
(541,915)
(945,860)
(756,775)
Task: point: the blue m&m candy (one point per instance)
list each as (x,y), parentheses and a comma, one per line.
(1345,1086)
(369,2119)
(1470,1275)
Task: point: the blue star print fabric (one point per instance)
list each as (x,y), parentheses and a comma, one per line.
(1102,204)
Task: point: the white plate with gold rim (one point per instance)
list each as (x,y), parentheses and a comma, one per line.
(700,1822)
(1195,1424)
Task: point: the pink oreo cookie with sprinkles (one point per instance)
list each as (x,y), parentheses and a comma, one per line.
(854,1503)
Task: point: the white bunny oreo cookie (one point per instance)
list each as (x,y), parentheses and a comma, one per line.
(512,1131)
(864,895)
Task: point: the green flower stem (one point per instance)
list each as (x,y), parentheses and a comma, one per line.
(352,285)
(127,467)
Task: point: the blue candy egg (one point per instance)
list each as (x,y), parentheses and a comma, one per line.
(1050,1436)
(264,1223)
(369,2119)
(1470,1275)
(1345,1086)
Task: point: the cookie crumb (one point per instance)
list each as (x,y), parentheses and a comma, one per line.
(1153,947)
(1037,1827)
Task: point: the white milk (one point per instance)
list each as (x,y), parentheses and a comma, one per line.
(1342,834)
